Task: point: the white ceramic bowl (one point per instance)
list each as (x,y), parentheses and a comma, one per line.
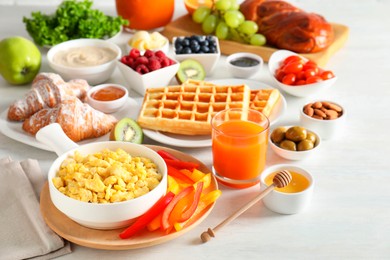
(244,71)
(94,215)
(93,74)
(326,129)
(294,155)
(157,78)
(287,203)
(208,60)
(107,106)
(111,39)
(301,90)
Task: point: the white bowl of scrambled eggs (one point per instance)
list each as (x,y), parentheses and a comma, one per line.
(105,185)
(90,59)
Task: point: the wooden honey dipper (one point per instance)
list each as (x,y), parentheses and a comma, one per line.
(281,179)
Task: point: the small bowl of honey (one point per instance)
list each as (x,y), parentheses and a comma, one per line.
(293,198)
(107,98)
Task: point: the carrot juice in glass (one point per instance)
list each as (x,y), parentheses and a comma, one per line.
(145,14)
(239,146)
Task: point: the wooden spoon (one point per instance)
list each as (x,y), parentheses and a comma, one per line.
(281,179)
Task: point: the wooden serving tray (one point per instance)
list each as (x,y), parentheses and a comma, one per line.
(184,26)
(109,239)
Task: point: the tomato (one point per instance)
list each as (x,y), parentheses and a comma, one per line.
(301,75)
(310,65)
(300,82)
(327,74)
(292,58)
(279,75)
(289,79)
(309,73)
(292,67)
(313,79)
(294,70)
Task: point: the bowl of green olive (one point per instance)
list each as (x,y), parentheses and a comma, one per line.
(294,142)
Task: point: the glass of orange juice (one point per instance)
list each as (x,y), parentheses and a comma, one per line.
(239,146)
(145,14)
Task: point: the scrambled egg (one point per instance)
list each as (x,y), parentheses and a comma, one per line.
(106,177)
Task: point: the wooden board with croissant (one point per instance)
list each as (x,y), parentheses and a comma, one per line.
(184,26)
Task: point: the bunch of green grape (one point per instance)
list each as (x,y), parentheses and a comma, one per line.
(225,20)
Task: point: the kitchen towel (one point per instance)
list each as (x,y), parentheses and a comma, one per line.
(24,233)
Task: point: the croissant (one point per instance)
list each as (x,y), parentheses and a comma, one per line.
(78,120)
(48,90)
(288,27)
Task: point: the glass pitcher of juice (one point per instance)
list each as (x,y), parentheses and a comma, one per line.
(145,14)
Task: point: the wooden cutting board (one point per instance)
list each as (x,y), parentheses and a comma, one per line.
(109,239)
(184,26)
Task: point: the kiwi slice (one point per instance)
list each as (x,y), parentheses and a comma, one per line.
(190,69)
(127,130)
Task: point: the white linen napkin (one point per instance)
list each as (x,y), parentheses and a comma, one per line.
(24,233)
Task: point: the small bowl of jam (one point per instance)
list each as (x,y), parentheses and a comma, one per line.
(244,64)
(107,98)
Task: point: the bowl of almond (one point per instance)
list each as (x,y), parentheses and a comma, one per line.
(327,118)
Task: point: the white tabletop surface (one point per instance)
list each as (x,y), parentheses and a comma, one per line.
(349,217)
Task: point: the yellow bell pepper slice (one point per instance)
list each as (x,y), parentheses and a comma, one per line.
(194,175)
(173,185)
(206,181)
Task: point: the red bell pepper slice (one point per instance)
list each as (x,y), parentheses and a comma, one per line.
(143,220)
(166,155)
(181,164)
(165,224)
(204,202)
(175,173)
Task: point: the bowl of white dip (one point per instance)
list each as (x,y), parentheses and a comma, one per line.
(90,59)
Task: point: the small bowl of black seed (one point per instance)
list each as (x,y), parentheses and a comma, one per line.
(202,48)
(244,64)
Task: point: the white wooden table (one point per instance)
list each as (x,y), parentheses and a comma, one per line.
(350,213)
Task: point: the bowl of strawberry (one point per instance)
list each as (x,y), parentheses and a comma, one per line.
(297,75)
(149,70)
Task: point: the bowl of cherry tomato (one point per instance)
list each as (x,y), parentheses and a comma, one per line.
(297,75)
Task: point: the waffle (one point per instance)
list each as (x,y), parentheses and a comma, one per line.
(264,100)
(188,108)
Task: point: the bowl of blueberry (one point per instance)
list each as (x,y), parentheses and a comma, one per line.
(204,49)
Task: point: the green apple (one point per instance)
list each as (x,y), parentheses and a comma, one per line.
(20,60)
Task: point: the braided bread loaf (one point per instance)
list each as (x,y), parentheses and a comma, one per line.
(288,27)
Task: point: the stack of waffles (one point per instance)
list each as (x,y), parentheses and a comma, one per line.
(188,108)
